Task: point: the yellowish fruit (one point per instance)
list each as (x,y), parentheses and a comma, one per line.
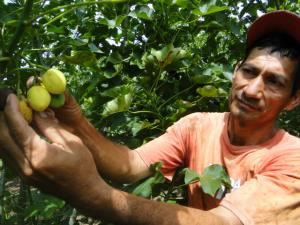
(54,81)
(38,98)
(25,110)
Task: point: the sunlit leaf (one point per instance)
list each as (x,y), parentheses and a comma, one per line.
(208,91)
(113,23)
(85,58)
(118,104)
(144,12)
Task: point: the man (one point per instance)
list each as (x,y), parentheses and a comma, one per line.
(262,160)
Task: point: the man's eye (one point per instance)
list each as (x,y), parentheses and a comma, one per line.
(275,81)
(248,72)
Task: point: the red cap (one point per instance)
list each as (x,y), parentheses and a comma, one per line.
(276,21)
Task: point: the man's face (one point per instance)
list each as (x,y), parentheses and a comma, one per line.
(262,86)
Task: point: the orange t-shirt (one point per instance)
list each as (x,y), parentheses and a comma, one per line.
(265,177)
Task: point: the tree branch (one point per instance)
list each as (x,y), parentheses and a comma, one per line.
(21,28)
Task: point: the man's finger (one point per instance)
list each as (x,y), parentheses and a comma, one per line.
(53,131)
(10,151)
(19,129)
(70,107)
(30,81)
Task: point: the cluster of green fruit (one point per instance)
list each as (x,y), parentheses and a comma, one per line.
(48,93)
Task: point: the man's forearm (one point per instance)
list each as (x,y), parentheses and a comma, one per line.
(114,161)
(122,208)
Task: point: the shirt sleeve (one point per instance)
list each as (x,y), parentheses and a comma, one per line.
(169,148)
(272,196)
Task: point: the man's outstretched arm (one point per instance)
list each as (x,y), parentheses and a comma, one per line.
(63,166)
(123,208)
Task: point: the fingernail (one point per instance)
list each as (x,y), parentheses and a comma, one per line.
(43,115)
(9,98)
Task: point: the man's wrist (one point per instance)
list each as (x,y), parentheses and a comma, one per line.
(89,134)
(83,128)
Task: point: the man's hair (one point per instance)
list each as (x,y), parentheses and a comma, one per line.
(283,44)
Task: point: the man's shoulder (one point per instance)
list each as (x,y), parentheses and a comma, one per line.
(284,146)
(198,116)
(289,139)
(198,120)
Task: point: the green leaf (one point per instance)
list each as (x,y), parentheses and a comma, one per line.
(162,53)
(208,91)
(115,58)
(212,25)
(143,12)
(78,42)
(165,56)
(210,185)
(183,104)
(137,126)
(156,167)
(118,104)
(55,29)
(183,3)
(145,188)
(43,205)
(214,176)
(117,91)
(85,58)
(114,22)
(190,176)
(206,9)
(94,48)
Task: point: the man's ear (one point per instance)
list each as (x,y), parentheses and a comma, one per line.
(294,101)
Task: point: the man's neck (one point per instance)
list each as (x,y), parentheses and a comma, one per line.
(248,132)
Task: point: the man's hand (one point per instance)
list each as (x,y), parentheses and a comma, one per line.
(113,161)
(70,113)
(59,163)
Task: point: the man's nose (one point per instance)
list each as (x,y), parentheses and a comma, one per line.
(255,87)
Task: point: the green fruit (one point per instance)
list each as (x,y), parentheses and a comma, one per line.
(57,101)
(54,81)
(38,98)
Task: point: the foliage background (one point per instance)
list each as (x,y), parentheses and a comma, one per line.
(134,66)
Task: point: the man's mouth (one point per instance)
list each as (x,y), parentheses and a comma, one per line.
(247,106)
